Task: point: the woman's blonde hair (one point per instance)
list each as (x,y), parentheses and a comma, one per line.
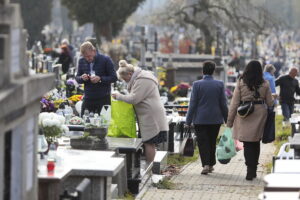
(269,68)
(86,46)
(125,68)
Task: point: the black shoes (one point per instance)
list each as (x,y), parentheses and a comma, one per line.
(251,174)
(205,170)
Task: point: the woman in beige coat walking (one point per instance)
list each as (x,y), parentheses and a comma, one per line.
(249,130)
(144,95)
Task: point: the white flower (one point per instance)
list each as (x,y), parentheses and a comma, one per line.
(52,115)
(65,128)
(56,122)
(61,118)
(42,116)
(47,122)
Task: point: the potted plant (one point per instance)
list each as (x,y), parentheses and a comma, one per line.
(85,142)
(52,125)
(94,130)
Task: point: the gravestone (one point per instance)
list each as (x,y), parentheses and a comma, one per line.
(19,108)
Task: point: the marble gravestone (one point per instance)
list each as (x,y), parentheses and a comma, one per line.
(19,108)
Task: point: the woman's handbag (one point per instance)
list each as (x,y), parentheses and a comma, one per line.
(269,131)
(245,109)
(187,146)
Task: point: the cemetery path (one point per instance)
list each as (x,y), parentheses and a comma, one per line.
(227,182)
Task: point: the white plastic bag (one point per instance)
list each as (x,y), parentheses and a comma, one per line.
(105,115)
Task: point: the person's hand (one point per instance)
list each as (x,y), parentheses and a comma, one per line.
(187,126)
(85,77)
(115,94)
(228,125)
(275,96)
(95,79)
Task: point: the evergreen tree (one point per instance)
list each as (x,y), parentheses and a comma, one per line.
(107,16)
(36,14)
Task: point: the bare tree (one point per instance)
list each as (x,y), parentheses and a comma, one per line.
(241,16)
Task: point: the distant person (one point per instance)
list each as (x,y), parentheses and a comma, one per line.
(65,58)
(289,85)
(250,87)
(269,71)
(207,111)
(144,95)
(71,48)
(96,71)
(278,64)
(236,62)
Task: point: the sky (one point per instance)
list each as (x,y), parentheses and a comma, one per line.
(150,5)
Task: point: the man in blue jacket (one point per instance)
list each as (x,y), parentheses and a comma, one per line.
(96,72)
(207,111)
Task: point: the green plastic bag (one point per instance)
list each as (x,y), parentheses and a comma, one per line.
(226,147)
(122,122)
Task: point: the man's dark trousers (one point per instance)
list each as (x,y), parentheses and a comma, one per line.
(206,139)
(95,105)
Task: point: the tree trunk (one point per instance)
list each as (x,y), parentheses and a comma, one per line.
(103,30)
(208,38)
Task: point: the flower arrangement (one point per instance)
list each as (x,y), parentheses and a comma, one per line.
(76,121)
(75,98)
(52,125)
(58,102)
(47,105)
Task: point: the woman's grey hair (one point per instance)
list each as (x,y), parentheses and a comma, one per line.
(125,68)
(269,68)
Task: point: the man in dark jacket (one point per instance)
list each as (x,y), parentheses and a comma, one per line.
(289,85)
(207,111)
(96,72)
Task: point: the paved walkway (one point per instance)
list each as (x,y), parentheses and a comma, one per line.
(226,183)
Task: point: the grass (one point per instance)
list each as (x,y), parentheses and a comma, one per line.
(281,136)
(179,160)
(282,132)
(175,162)
(165,184)
(128,196)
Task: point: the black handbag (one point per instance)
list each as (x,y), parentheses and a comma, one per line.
(269,131)
(187,145)
(245,109)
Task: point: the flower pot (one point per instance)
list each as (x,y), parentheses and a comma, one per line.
(98,132)
(82,143)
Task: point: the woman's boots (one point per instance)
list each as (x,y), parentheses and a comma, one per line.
(251,154)
(251,173)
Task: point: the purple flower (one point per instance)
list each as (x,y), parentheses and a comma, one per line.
(71,82)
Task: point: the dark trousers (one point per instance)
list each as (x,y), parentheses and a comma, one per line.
(93,105)
(251,154)
(287,110)
(206,140)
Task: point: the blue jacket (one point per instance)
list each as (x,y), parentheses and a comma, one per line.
(104,68)
(208,103)
(269,77)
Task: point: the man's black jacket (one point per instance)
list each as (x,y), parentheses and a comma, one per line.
(288,87)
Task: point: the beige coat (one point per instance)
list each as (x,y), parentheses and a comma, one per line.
(249,129)
(144,95)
